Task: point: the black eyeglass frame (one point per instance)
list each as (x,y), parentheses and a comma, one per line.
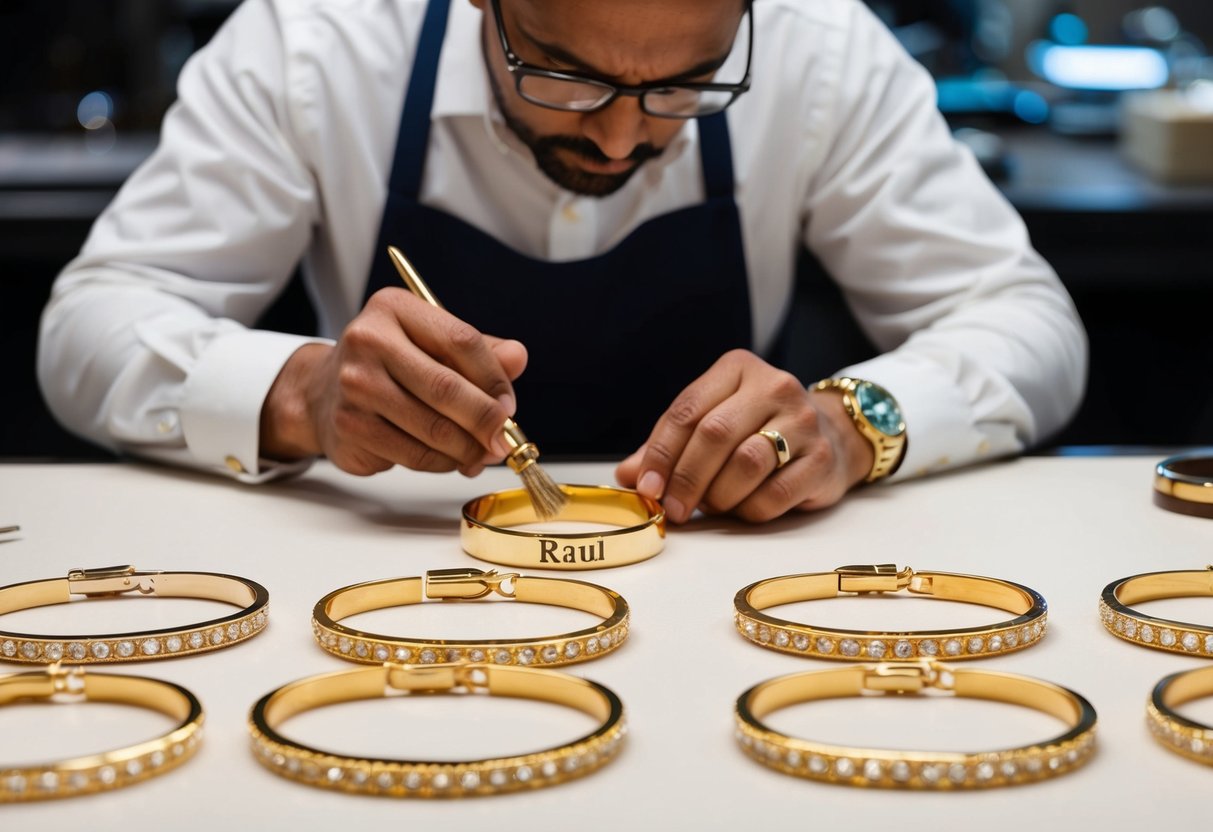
(520,69)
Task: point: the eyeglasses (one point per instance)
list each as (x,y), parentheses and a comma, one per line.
(582,93)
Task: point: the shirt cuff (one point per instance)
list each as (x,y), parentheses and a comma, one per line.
(941,426)
(224,392)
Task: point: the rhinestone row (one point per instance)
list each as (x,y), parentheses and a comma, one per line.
(891,647)
(107,651)
(117,771)
(484,777)
(1176,639)
(967,771)
(1194,743)
(554,652)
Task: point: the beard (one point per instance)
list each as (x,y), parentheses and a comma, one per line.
(547,153)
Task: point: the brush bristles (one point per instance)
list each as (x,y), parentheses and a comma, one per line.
(545,494)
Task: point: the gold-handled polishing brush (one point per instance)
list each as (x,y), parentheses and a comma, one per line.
(546,496)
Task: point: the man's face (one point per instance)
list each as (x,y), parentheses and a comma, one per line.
(628,42)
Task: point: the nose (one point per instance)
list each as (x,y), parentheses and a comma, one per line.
(617,128)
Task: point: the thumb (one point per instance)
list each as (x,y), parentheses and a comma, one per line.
(510,353)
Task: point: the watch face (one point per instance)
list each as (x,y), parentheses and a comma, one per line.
(881,409)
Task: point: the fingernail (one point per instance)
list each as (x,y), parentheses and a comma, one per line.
(650,484)
(501,446)
(674,510)
(507,401)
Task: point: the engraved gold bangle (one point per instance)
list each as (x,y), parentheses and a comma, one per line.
(420,778)
(488,529)
(884,768)
(1121,620)
(110,769)
(1184,484)
(1024,630)
(142,645)
(471,584)
(1175,732)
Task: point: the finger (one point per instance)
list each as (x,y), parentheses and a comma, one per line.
(712,444)
(377,438)
(628,471)
(511,354)
(673,431)
(432,367)
(750,464)
(806,481)
(368,395)
(460,346)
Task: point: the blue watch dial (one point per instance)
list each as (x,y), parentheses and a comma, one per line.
(880,408)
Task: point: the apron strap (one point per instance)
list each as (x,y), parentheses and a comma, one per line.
(414,133)
(716,155)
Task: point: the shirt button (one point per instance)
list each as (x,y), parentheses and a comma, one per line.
(569,212)
(234,465)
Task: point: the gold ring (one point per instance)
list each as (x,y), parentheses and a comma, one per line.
(109,769)
(470,584)
(141,645)
(1175,732)
(885,768)
(815,641)
(1184,484)
(783,454)
(424,778)
(487,530)
(1121,620)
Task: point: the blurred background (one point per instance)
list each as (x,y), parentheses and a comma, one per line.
(1094,117)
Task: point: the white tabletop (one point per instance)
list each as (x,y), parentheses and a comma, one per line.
(1063,526)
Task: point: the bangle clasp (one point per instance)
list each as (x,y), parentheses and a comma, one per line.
(881,577)
(110,580)
(468,584)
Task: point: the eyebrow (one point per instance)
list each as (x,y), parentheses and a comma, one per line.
(562,55)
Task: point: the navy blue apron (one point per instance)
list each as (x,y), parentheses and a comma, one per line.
(613,339)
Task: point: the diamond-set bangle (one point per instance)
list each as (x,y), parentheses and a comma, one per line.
(463,585)
(111,769)
(1176,732)
(1122,621)
(144,645)
(1025,629)
(916,770)
(436,779)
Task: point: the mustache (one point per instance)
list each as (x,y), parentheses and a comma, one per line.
(590,151)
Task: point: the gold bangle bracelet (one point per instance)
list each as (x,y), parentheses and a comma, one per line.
(883,768)
(1122,621)
(419,778)
(1024,630)
(471,584)
(1184,484)
(142,645)
(1177,733)
(110,769)
(487,530)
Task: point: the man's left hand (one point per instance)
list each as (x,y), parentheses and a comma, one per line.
(705,451)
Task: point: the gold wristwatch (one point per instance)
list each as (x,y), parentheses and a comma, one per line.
(877,417)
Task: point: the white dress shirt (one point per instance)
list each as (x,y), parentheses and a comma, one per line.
(279,147)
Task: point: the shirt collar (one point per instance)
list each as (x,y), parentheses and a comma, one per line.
(462,88)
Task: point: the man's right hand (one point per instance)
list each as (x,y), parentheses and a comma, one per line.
(406,384)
